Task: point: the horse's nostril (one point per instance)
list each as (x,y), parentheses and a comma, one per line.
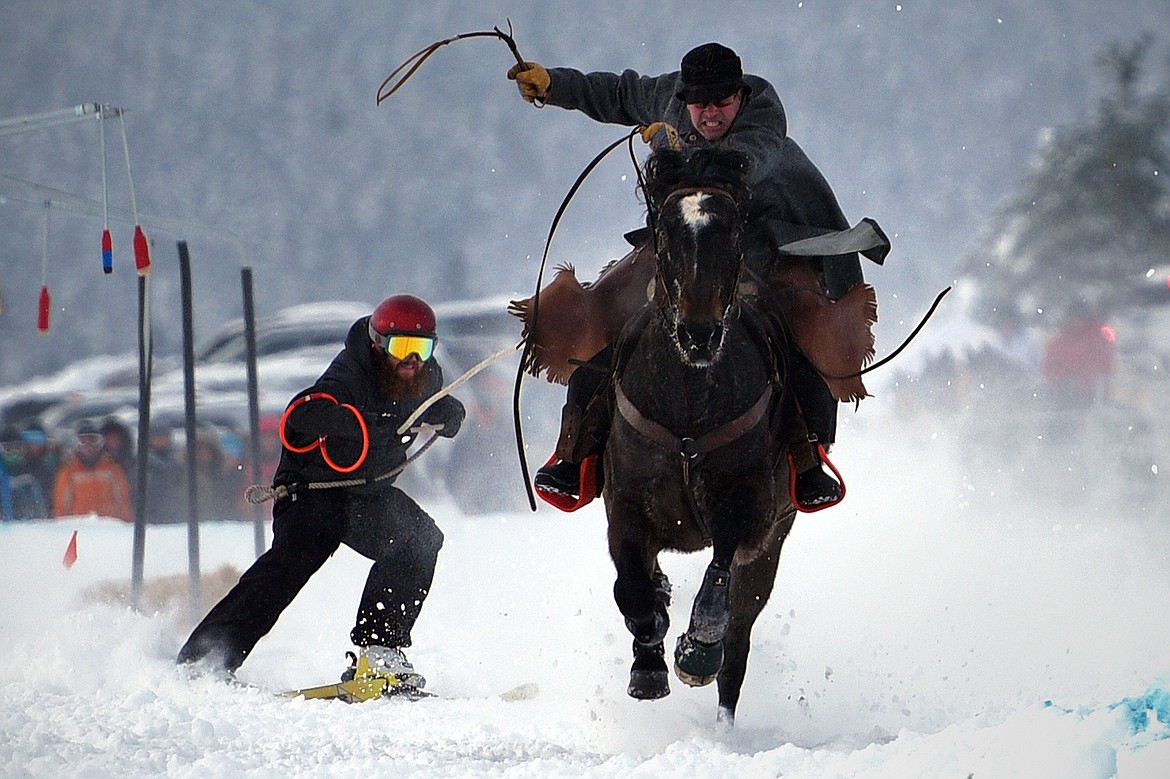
(699,335)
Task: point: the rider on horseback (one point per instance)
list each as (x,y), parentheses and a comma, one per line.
(712,103)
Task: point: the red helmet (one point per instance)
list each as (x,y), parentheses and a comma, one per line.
(402,315)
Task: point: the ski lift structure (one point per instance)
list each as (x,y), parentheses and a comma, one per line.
(52,198)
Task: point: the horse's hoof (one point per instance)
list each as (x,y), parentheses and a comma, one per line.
(649,685)
(697,664)
(649,679)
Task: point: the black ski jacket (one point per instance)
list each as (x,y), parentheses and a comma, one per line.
(352,378)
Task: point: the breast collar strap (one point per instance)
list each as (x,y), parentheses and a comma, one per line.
(690,448)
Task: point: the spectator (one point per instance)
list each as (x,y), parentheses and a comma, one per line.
(119,445)
(90,482)
(21,497)
(166,500)
(234,473)
(40,457)
(1078,359)
(216,500)
(6,508)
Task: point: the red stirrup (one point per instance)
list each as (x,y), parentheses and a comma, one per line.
(824,457)
(588,487)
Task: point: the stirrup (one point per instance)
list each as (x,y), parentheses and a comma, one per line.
(824,458)
(588,487)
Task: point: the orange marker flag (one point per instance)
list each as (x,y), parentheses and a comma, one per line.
(70,552)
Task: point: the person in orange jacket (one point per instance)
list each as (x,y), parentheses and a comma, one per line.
(91,482)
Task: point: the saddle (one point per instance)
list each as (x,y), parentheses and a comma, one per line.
(573,321)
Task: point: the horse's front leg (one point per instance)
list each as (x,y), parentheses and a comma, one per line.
(642,593)
(754,578)
(698,655)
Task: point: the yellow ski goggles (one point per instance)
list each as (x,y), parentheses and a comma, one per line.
(402,346)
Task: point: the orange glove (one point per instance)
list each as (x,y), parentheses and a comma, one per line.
(660,134)
(533,81)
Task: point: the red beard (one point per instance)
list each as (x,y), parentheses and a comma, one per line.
(396,387)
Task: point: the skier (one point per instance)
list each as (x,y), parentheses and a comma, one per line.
(710,101)
(344,427)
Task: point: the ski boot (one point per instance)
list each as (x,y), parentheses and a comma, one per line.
(383,663)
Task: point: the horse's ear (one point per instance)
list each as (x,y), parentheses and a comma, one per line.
(663,173)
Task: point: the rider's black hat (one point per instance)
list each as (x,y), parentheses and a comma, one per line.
(710,72)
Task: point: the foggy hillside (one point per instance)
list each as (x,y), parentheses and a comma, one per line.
(259,120)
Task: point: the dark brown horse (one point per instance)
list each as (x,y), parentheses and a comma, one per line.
(696,459)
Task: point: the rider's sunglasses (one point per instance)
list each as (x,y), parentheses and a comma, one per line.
(402,346)
(724,103)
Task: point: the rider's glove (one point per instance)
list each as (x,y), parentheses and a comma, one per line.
(661,135)
(533,81)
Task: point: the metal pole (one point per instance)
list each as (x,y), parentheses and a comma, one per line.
(145,356)
(78,113)
(253,403)
(189,398)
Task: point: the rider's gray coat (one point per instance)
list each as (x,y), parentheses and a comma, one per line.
(789,194)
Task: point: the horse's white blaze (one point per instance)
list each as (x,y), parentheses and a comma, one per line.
(692,210)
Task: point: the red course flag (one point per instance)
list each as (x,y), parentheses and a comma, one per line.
(43,311)
(141,251)
(70,552)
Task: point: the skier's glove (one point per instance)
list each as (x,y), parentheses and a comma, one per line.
(448,413)
(659,135)
(532,80)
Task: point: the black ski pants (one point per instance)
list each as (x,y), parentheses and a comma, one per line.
(384,525)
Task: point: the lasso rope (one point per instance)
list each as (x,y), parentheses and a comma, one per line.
(527,343)
(419,57)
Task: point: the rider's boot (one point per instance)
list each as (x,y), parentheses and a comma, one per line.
(583,429)
(811,436)
(562,475)
(812,486)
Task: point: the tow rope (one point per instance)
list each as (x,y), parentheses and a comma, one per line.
(259,493)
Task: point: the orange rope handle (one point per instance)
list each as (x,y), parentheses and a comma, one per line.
(320,442)
(365,445)
(297,403)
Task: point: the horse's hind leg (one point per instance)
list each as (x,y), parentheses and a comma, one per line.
(753,582)
(643,599)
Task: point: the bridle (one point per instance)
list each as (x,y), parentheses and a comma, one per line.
(662,247)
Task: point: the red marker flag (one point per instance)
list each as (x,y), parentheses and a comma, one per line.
(141,251)
(43,311)
(70,552)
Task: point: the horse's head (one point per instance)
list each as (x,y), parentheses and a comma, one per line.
(695,209)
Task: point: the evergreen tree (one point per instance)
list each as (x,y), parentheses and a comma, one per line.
(1093,216)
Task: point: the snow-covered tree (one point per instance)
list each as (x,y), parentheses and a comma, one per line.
(1093,215)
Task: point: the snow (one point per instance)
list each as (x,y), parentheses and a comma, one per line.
(912,633)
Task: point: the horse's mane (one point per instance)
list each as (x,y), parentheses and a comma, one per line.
(668,170)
